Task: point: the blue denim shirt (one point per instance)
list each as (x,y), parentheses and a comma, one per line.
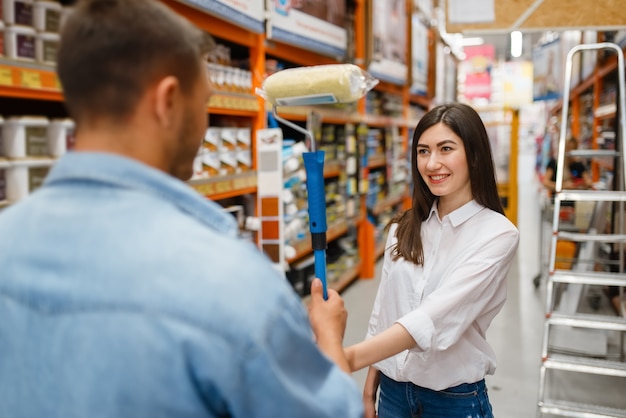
(124,293)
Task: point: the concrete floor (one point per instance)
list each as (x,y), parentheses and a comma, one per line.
(515,335)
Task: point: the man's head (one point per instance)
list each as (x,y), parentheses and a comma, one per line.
(113,53)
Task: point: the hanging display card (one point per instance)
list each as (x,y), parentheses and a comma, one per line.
(419,57)
(248,14)
(389,42)
(547,71)
(315,25)
(477,65)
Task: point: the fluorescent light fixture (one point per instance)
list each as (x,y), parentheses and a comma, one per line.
(516,44)
(472,41)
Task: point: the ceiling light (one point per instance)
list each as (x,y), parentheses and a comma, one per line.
(516,44)
(472,41)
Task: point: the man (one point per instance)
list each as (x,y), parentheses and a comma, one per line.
(123,293)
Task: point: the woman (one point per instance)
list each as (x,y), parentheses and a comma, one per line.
(443,278)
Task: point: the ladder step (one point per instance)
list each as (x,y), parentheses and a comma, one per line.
(594,153)
(580,410)
(585,365)
(612,323)
(594,278)
(591,195)
(583,237)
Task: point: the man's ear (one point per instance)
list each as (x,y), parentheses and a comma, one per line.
(165,100)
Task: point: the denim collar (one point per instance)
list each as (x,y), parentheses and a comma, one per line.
(127,173)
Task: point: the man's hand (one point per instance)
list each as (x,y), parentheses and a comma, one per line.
(328,320)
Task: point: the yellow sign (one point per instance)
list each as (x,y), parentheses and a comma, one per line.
(6,76)
(31,79)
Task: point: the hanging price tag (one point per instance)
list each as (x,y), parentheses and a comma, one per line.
(6,76)
(31,79)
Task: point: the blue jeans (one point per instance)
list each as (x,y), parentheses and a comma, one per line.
(406,400)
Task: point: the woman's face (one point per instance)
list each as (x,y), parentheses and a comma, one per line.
(442,163)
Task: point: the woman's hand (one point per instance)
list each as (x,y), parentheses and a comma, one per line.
(370,408)
(369,392)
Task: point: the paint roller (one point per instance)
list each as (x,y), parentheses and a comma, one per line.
(306,86)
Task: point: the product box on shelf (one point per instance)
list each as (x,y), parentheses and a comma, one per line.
(229,138)
(25,176)
(18,12)
(328,142)
(46,47)
(244,138)
(47,16)
(19,43)
(228,163)
(212,139)
(60,136)
(211,164)
(25,137)
(244,160)
(301,274)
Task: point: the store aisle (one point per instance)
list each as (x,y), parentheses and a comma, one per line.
(515,335)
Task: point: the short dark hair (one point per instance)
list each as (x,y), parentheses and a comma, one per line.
(465,122)
(112,50)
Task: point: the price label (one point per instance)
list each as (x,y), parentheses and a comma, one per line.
(206,189)
(223,186)
(31,79)
(6,76)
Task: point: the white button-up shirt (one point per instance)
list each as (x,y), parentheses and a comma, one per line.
(448,303)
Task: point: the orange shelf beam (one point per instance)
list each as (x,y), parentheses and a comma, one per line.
(28,82)
(367,245)
(224,187)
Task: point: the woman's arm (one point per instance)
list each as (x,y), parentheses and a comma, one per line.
(388,343)
(372,381)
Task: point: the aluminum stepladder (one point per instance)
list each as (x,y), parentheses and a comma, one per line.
(588,240)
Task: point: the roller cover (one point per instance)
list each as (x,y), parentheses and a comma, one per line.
(319,84)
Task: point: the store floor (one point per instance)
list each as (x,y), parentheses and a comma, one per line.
(515,335)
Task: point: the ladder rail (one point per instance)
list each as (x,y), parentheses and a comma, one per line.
(566,96)
(617,196)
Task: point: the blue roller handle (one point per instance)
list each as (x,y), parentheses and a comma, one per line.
(314,166)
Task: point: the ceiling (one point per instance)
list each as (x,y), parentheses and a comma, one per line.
(502,44)
(534,18)
(540,15)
